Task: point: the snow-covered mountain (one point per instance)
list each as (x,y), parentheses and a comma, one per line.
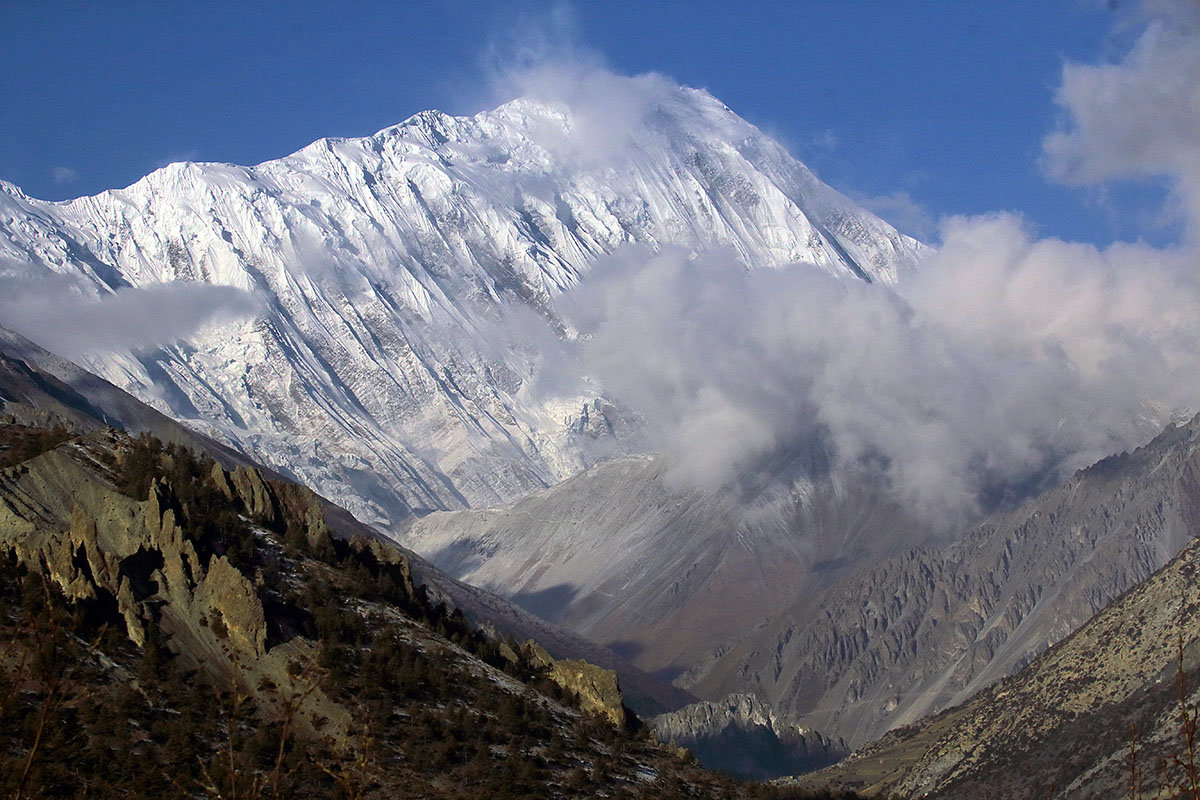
(381,265)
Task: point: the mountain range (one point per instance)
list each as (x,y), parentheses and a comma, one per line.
(367,317)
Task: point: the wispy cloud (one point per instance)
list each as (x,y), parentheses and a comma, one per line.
(59,314)
(825,142)
(902,211)
(543,58)
(1138,117)
(64,175)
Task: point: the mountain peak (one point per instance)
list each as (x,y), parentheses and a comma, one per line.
(359,245)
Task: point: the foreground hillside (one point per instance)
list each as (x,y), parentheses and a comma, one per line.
(41,389)
(1117,701)
(170,626)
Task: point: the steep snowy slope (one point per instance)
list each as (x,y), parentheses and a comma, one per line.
(379,266)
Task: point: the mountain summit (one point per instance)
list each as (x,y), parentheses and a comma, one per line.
(350,344)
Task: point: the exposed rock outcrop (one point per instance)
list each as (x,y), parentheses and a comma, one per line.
(267,657)
(742,736)
(60,514)
(596,687)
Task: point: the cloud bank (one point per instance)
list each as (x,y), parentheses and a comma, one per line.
(53,311)
(1006,362)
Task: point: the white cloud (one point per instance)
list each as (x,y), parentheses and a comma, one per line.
(902,211)
(1008,361)
(1005,363)
(57,313)
(1139,117)
(64,175)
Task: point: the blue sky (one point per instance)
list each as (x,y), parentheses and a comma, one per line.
(944,104)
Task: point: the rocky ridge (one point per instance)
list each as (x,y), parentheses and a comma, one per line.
(743,737)
(61,514)
(1097,715)
(227,586)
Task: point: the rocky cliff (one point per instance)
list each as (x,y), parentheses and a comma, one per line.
(61,514)
(742,736)
(205,627)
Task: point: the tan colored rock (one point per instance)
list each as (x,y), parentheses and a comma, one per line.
(255,494)
(227,593)
(597,688)
(128,608)
(220,479)
(61,515)
(537,655)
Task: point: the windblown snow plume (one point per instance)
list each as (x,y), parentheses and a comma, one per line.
(544,60)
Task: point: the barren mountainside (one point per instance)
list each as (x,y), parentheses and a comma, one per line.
(1099,715)
(667,575)
(930,628)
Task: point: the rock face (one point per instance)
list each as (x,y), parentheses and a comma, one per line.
(382,265)
(1061,727)
(61,514)
(596,687)
(745,738)
(930,628)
